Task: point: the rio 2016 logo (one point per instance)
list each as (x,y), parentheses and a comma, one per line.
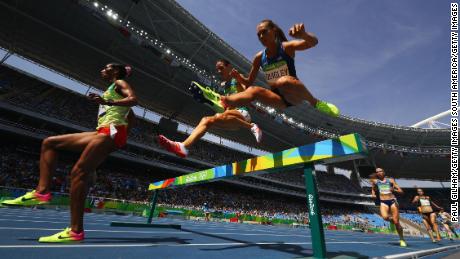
(311,204)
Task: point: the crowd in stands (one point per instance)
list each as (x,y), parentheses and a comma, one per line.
(19,168)
(76,109)
(336,183)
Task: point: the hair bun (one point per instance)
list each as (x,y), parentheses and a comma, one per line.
(128,70)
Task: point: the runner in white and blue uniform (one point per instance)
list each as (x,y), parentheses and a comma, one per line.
(425,208)
(230,119)
(277,63)
(447,223)
(384,189)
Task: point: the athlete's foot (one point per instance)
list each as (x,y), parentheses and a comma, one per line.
(257,132)
(65,236)
(172,146)
(29,199)
(402,243)
(327,108)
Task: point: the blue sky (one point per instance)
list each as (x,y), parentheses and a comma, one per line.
(385,61)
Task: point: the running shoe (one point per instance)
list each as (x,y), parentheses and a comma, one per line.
(257,132)
(172,146)
(206,95)
(327,108)
(402,243)
(29,199)
(65,236)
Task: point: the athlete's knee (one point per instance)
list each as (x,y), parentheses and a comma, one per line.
(80,171)
(286,80)
(49,142)
(255,91)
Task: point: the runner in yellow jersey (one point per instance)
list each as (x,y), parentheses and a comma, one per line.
(111,134)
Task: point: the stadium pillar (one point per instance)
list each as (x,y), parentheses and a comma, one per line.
(314,213)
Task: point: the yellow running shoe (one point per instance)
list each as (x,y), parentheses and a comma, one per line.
(29,199)
(402,243)
(65,236)
(327,108)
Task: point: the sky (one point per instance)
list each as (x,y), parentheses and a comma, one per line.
(385,61)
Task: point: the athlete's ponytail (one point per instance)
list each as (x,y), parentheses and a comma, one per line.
(124,71)
(278,32)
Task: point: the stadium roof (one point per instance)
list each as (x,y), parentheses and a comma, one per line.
(75,39)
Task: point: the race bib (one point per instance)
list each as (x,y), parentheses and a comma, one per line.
(275,71)
(384,189)
(424,202)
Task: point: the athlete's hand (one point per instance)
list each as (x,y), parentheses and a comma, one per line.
(96,98)
(234,73)
(297,31)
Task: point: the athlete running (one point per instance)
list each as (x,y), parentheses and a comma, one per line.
(447,223)
(111,133)
(230,119)
(384,187)
(277,63)
(425,208)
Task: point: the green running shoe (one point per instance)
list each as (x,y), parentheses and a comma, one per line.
(327,108)
(29,199)
(207,96)
(402,243)
(65,236)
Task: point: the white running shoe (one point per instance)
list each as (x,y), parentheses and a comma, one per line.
(257,132)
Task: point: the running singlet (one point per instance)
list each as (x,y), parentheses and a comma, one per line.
(384,186)
(280,65)
(231,87)
(112,115)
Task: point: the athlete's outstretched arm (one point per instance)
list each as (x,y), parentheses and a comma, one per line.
(436,205)
(248,81)
(396,187)
(306,39)
(373,189)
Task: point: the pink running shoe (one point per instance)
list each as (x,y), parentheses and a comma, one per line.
(172,146)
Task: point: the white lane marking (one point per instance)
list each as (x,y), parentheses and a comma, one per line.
(176,245)
(158,232)
(417,254)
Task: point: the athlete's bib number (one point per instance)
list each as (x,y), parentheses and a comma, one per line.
(275,71)
(385,189)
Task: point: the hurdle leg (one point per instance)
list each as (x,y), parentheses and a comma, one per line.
(152,207)
(149,219)
(314,212)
